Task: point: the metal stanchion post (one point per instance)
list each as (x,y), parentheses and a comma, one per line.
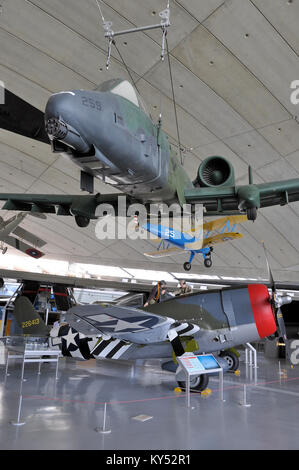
(221,385)
(244,403)
(6,365)
(246,355)
(252,351)
(188,390)
(56,375)
(18,422)
(103,430)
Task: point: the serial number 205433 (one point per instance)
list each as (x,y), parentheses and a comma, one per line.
(26,324)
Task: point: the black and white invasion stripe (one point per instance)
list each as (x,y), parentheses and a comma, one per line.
(185,329)
(110,349)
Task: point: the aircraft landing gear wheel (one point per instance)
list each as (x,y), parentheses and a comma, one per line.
(187,266)
(82,221)
(208,262)
(231,359)
(252,213)
(197,384)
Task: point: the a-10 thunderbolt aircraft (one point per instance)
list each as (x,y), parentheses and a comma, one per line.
(109,135)
(213,321)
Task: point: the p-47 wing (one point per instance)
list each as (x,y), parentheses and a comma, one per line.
(134,325)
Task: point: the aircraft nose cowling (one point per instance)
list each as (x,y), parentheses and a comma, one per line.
(61,122)
(60,105)
(262,310)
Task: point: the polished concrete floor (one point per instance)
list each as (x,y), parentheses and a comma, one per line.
(68,413)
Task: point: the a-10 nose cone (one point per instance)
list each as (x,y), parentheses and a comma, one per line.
(62,121)
(60,106)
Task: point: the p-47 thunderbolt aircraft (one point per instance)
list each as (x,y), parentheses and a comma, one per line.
(14,235)
(109,135)
(212,321)
(200,240)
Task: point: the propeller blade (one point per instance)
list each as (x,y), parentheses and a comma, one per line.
(270,275)
(20,117)
(283,332)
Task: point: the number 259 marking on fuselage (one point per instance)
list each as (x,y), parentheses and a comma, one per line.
(90,103)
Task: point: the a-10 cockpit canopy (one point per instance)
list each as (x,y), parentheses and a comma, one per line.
(123,88)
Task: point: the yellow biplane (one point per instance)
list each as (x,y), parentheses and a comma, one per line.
(198,240)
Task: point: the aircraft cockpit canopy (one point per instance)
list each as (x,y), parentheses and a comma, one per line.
(125,89)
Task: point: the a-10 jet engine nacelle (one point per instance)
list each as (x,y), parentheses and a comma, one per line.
(215,171)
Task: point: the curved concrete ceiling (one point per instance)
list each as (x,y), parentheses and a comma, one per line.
(233,62)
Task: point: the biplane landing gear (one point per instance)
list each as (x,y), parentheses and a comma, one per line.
(187,265)
(208,258)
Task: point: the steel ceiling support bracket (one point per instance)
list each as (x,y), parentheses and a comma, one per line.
(110,34)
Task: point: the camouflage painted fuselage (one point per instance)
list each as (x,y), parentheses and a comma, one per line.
(110,137)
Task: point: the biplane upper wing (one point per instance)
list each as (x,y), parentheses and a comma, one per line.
(22,246)
(20,232)
(221,238)
(223,221)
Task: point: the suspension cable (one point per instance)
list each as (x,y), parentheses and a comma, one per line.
(174,101)
(126,67)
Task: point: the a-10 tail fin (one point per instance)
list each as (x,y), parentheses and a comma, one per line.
(28,318)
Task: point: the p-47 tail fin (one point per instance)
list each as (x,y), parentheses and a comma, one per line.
(29,319)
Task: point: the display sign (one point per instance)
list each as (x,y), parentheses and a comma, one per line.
(194,364)
(208,362)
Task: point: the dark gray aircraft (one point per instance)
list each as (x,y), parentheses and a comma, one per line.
(109,135)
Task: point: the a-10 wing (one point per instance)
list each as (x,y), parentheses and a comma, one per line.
(232,200)
(216,201)
(22,118)
(83,207)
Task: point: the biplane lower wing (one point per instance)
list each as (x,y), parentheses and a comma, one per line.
(168,252)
